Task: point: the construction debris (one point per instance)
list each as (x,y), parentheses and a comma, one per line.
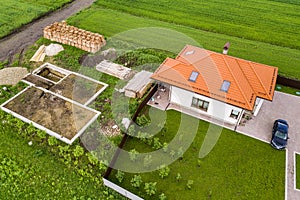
(70,35)
(113,69)
(53,49)
(138,85)
(89,60)
(39,55)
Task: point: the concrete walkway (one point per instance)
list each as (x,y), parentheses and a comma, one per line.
(286,107)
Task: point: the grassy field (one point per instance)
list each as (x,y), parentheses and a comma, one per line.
(260,20)
(110,23)
(238,167)
(14,14)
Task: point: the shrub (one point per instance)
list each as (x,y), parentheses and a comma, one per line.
(162,196)
(165,147)
(142,120)
(189,184)
(199,162)
(133,154)
(147,160)
(52,141)
(150,188)
(78,151)
(180,152)
(156,143)
(120,176)
(92,158)
(131,130)
(149,141)
(164,171)
(136,181)
(172,153)
(178,177)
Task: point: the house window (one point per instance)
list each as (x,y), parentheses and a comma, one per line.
(200,104)
(193,76)
(225,86)
(234,114)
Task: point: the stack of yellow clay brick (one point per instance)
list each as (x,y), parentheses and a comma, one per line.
(70,35)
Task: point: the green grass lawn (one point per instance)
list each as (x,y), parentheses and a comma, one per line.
(286,89)
(238,167)
(260,20)
(297,171)
(14,14)
(111,22)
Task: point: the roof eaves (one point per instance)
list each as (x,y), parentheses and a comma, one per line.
(262,85)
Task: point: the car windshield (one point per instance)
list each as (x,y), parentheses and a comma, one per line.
(280,135)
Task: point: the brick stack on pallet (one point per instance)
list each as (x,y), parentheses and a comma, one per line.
(70,35)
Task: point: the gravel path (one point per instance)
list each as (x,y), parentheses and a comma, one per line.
(12,75)
(17,42)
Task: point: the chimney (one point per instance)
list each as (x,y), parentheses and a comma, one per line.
(225,48)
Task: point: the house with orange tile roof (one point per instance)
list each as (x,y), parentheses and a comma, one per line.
(215,84)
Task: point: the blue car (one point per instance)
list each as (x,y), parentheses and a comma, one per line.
(280,134)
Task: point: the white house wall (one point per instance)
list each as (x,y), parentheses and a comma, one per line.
(258,104)
(216,109)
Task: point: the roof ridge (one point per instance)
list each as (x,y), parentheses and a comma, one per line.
(223,57)
(260,82)
(209,53)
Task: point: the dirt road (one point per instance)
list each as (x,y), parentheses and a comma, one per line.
(17,42)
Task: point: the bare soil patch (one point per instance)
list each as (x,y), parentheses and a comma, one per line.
(77,88)
(39,82)
(50,111)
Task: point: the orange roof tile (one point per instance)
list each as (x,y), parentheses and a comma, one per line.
(248,80)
